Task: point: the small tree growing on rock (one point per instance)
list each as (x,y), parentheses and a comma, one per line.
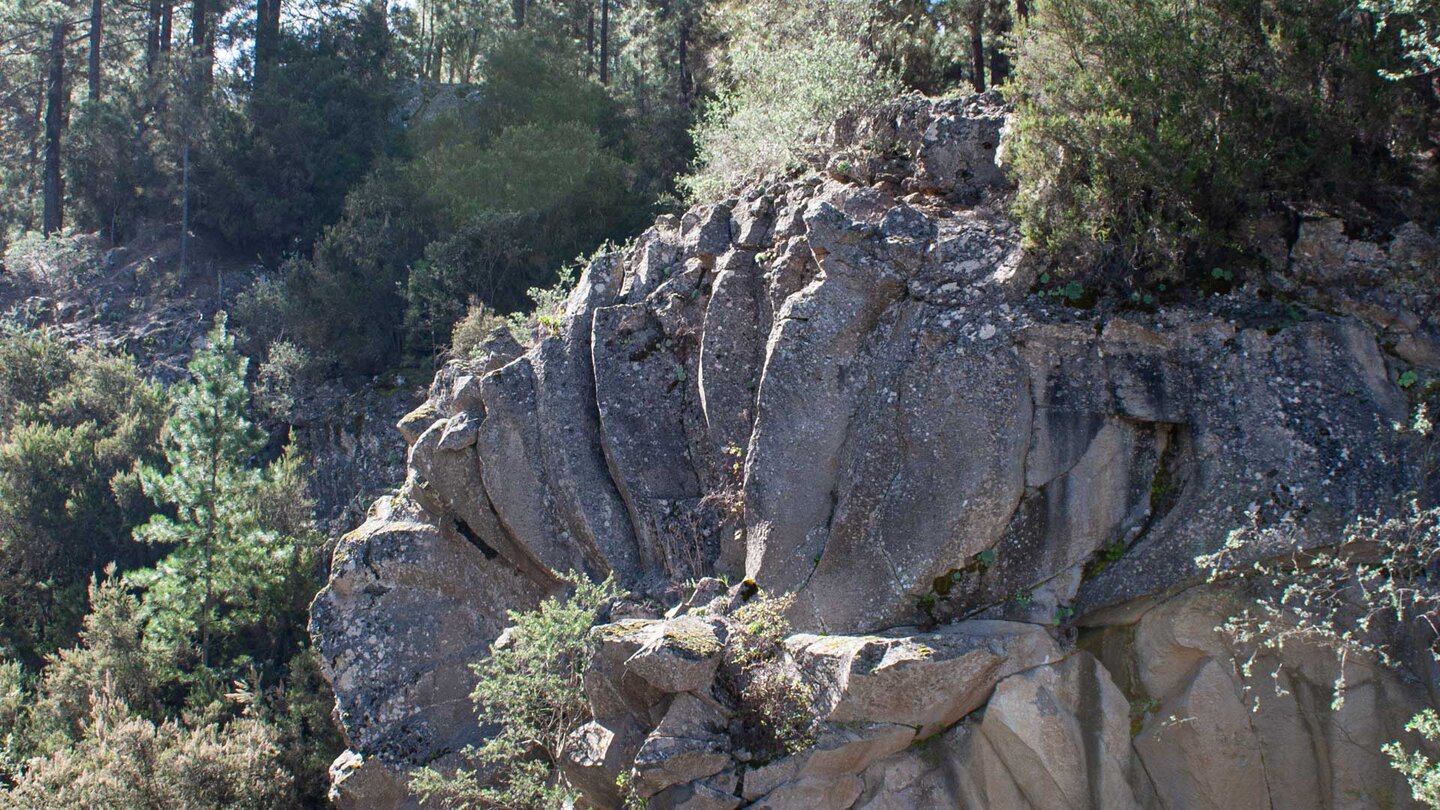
(530,691)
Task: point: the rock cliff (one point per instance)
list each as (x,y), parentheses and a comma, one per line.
(986,492)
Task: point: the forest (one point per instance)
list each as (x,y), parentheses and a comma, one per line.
(385,185)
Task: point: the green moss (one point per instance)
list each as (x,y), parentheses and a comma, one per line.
(693,638)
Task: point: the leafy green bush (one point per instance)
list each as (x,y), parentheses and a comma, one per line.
(73,424)
(127,761)
(1156,131)
(56,262)
(794,67)
(471,330)
(276,172)
(347,300)
(530,690)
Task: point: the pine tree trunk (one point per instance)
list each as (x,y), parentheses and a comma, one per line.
(518,7)
(53,218)
(152,37)
(201,41)
(167,23)
(683,56)
(267,37)
(604,41)
(977,46)
(590,43)
(97,33)
(1022,10)
(184,209)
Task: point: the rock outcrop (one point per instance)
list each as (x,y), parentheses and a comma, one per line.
(853,387)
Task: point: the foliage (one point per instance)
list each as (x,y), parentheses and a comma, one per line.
(281,166)
(230,534)
(1380,576)
(78,724)
(772,700)
(472,330)
(530,691)
(56,263)
(72,426)
(794,67)
(1423,774)
(109,651)
(1419,31)
(1378,583)
(347,299)
(122,760)
(286,367)
(1156,132)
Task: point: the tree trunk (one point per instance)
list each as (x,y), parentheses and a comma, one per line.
(267,37)
(977,46)
(167,22)
(682,48)
(590,44)
(184,209)
(152,37)
(53,218)
(604,41)
(97,33)
(518,6)
(1022,10)
(201,41)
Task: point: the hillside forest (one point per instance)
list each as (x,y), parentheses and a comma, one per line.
(347,193)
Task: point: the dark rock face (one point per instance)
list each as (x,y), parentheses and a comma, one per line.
(857,391)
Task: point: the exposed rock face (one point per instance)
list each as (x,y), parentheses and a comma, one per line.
(853,389)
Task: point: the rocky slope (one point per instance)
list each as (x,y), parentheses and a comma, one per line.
(986,499)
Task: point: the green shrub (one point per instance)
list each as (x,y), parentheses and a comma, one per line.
(127,761)
(1423,774)
(773,703)
(73,424)
(530,690)
(1156,131)
(794,67)
(471,330)
(56,262)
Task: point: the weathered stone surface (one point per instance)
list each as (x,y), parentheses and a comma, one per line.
(1216,739)
(689,744)
(593,756)
(357,782)
(682,656)
(855,386)
(926,681)
(840,751)
(397,648)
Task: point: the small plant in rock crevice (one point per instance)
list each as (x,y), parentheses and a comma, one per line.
(772,702)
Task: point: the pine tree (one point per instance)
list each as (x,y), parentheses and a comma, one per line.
(224,554)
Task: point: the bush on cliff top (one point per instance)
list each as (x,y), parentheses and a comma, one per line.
(1154,132)
(794,68)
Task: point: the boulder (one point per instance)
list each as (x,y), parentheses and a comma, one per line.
(925,681)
